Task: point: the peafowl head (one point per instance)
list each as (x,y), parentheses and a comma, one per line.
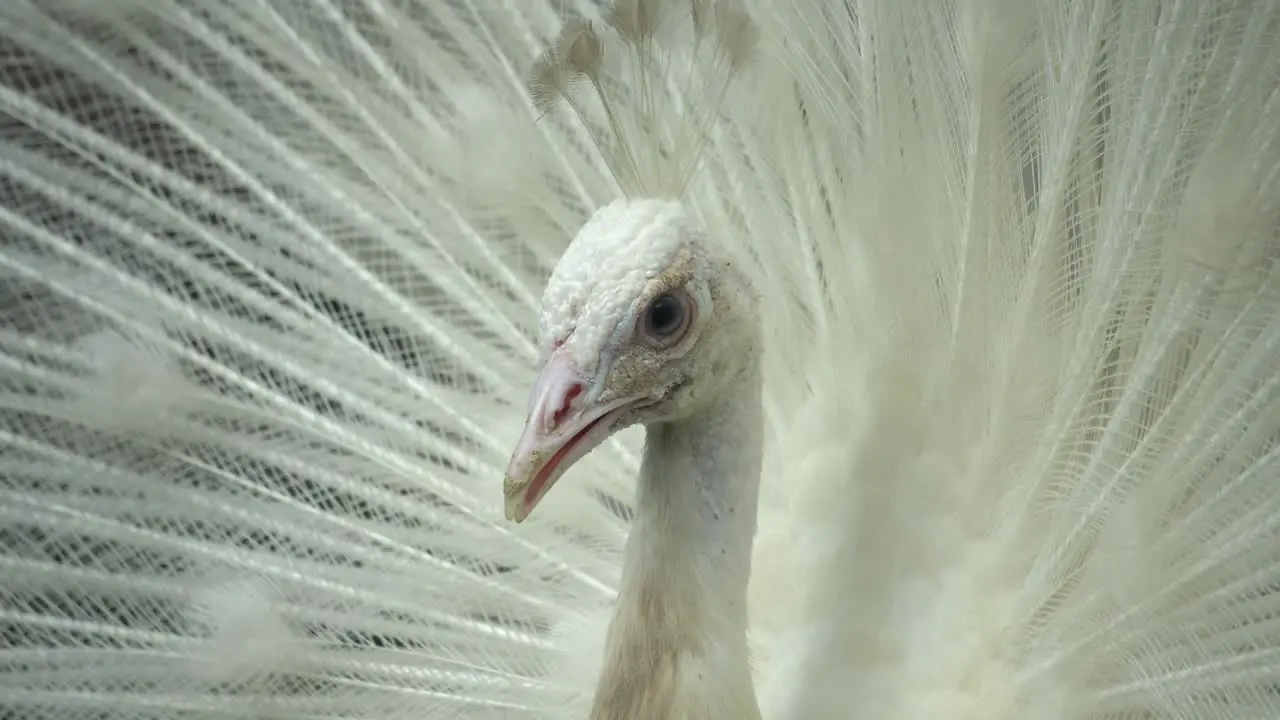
(642,322)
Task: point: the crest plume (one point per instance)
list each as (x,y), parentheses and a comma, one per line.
(648,84)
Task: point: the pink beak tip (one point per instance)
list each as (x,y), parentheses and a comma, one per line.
(560,429)
(517,502)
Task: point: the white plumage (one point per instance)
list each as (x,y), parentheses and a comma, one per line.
(271,274)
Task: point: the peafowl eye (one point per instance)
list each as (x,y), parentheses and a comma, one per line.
(666,319)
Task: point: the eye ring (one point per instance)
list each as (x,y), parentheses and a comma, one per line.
(666,320)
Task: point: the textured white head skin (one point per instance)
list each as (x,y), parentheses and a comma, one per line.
(676,644)
(628,253)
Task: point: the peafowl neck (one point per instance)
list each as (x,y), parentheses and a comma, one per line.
(678,641)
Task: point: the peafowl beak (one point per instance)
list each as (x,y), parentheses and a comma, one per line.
(562,427)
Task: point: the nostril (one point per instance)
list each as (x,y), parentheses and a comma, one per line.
(569,396)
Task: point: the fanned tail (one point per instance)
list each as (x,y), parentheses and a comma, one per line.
(270,274)
(1056,355)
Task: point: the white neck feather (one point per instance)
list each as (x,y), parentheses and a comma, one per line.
(677,645)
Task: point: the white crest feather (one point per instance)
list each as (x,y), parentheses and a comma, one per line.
(648,84)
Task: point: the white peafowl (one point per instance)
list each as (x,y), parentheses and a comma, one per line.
(952,330)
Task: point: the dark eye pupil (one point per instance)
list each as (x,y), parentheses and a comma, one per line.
(665,315)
